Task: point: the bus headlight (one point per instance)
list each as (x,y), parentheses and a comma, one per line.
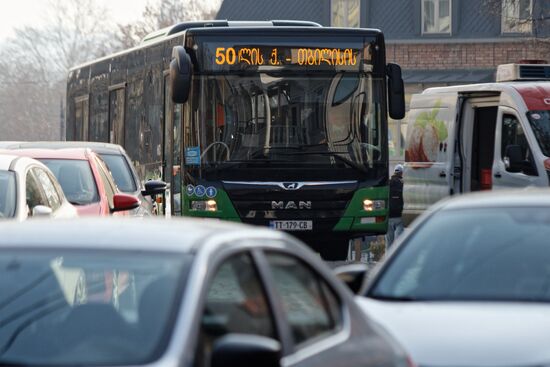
(370,205)
(204,205)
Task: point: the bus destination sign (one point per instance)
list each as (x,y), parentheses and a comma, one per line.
(276,56)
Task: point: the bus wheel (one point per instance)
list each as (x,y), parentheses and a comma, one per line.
(336,250)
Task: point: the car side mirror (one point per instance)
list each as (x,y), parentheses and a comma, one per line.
(41,211)
(396,92)
(513,158)
(180,75)
(353,275)
(123,202)
(242,350)
(154,187)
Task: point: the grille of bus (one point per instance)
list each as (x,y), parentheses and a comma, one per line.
(328,202)
(266,210)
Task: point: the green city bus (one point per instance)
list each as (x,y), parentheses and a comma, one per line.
(280,123)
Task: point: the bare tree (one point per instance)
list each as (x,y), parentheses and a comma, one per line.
(163,13)
(34,65)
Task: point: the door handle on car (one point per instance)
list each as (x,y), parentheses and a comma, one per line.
(442,174)
(498,175)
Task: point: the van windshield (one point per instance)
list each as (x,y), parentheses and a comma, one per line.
(540,123)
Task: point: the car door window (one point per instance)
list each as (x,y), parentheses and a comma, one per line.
(312,308)
(34,193)
(54,201)
(513,134)
(108,184)
(235,303)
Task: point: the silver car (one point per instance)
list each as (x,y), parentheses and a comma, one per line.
(469,285)
(176,293)
(29,189)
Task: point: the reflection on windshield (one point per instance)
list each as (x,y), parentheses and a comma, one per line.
(540,123)
(473,254)
(76,179)
(8,194)
(121,172)
(327,120)
(98,308)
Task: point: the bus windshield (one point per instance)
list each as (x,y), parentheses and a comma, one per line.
(323,120)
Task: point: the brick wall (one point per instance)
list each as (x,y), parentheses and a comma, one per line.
(465,55)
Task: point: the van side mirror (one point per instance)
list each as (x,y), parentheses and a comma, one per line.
(396,92)
(513,158)
(353,275)
(180,75)
(243,350)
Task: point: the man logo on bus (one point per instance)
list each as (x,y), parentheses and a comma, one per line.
(291,185)
(290,205)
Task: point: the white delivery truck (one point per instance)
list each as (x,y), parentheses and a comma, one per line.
(478,137)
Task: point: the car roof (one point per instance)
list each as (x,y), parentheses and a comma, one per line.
(6,160)
(527,197)
(99,147)
(151,234)
(69,153)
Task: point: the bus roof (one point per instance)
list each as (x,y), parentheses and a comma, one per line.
(177,29)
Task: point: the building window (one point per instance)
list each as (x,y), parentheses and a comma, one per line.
(517,16)
(345,13)
(436,16)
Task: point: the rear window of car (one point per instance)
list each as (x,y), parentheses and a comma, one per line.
(121,172)
(76,179)
(96,308)
(489,254)
(8,194)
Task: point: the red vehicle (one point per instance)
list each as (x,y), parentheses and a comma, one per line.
(85,179)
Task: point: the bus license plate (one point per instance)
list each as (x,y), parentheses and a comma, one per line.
(292,225)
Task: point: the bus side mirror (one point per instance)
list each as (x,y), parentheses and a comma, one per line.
(180,75)
(396,92)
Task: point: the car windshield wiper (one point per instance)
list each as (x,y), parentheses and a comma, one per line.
(8,363)
(76,202)
(395,298)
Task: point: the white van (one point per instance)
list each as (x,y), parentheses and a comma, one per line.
(478,137)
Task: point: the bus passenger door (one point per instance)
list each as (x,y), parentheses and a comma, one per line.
(117,95)
(167,148)
(512,138)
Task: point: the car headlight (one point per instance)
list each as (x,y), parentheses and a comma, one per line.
(204,205)
(370,205)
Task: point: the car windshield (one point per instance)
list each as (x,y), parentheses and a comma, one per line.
(121,172)
(500,254)
(540,123)
(318,121)
(76,179)
(93,308)
(8,194)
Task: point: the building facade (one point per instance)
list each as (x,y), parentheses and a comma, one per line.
(436,42)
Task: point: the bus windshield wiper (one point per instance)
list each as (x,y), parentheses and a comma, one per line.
(347,161)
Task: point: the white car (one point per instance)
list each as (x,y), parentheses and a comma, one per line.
(469,285)
(29,189)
